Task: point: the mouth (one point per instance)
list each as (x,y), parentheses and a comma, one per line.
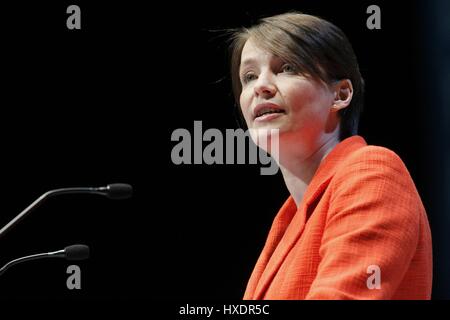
(267,111)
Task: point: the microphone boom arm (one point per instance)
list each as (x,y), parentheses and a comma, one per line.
(72,253)
(55,254)
(117,190)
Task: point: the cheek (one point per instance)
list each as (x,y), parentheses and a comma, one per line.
(307,98)
(299,97)
(245,103)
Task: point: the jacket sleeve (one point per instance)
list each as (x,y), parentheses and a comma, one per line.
(372,228)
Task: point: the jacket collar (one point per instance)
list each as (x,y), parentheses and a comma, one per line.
(329,165)
(290,221)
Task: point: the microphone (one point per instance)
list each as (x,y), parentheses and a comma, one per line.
(111,191)
(74,252)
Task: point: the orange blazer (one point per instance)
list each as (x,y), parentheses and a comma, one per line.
(360,210)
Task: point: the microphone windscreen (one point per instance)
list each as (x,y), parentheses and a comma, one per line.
(76,252)
(119,191)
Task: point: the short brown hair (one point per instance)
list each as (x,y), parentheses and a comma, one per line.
(313,45)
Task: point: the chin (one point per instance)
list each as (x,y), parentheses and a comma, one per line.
(266,137)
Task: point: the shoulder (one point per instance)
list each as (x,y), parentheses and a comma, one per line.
(373,171)
(373,158)
(374,179)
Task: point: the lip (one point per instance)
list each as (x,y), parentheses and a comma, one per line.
(269,116)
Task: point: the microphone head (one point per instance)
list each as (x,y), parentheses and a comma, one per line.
(118,191)
(76,252)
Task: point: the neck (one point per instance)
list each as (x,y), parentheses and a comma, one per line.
(298,171)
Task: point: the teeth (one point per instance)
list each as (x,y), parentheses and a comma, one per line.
(267,111)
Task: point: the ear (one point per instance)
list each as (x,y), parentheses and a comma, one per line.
(343,93)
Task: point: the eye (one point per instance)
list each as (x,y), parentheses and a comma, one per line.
(288,68)
(249,76)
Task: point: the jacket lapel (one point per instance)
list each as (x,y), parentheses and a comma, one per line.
(287,242)
(290,221)
(277,231)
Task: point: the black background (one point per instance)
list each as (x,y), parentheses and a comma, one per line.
(98,105)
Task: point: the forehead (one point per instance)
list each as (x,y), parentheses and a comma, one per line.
(252,53)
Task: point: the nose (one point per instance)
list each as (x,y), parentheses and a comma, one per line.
(265,86)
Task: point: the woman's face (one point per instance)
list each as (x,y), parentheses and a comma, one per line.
(275,96)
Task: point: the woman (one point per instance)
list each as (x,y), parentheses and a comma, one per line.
(354,226)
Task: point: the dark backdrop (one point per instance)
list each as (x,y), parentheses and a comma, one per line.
(98,105)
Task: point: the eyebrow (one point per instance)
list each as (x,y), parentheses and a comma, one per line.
(247,62)
(253,60)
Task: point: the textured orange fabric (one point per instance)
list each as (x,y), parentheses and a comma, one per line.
(360,209)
